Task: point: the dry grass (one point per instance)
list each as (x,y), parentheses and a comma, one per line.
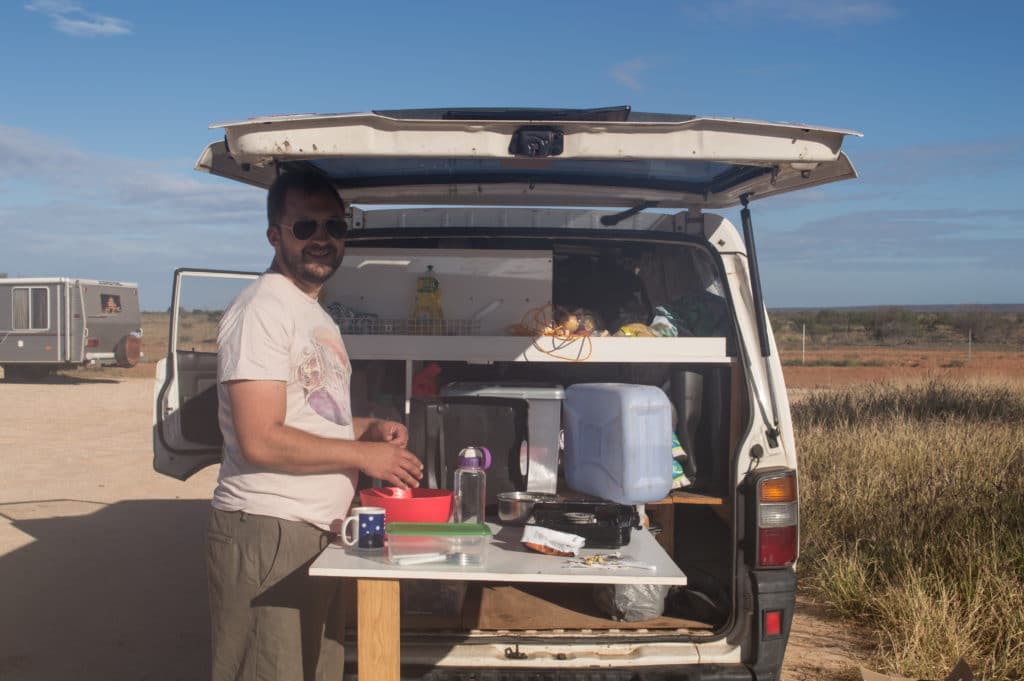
(913,519)
(196,330)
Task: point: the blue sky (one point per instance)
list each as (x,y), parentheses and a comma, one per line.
(106,104)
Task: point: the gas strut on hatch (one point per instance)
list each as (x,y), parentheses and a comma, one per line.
(762,322)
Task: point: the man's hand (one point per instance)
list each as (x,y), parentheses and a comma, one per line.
(392,464)
(386,431)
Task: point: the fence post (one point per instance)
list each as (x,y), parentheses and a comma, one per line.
(970,339)
(803,344)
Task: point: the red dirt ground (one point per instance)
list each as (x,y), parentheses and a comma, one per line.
(898,364)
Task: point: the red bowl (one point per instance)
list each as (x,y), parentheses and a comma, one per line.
(415,505)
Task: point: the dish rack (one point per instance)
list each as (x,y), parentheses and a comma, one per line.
(409,327)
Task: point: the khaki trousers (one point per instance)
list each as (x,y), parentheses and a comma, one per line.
(270,620)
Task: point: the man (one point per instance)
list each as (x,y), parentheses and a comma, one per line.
(293,451)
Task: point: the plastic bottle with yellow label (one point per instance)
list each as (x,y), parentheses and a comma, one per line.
(427,314)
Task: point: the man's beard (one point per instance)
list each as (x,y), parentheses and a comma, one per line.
(311,272)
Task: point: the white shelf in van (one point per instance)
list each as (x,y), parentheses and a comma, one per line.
(524,349)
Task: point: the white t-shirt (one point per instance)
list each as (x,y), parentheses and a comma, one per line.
(273,331)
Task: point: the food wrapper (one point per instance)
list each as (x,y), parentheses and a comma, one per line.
(552,542)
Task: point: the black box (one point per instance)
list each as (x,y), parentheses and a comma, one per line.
(607,526)
(439,427)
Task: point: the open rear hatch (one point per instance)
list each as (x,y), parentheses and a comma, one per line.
(595,157)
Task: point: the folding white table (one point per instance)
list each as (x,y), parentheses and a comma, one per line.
(505,560)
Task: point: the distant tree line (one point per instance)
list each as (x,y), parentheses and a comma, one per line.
(900,325)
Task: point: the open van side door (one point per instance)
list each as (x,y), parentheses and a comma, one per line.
(186,434)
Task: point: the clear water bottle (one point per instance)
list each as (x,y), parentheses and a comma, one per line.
(471,484)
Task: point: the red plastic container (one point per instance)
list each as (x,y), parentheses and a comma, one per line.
(415,505)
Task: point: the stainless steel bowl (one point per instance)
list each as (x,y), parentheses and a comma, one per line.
(514,508)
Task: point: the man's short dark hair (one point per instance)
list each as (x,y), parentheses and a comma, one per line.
(305,181)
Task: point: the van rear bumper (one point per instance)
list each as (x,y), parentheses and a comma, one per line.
(763,651)
(701,672)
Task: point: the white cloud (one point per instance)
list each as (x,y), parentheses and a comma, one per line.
(66,212)
(628,72)
(53,7)
(945,240)
(74,19)
(924,163)
(828,12)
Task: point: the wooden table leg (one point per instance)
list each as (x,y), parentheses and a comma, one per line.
(379,634)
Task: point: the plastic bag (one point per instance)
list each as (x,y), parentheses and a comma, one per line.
(631,602)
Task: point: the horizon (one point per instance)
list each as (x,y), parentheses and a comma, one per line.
(1013,307)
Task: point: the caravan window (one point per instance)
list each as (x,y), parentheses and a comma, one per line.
(31,307)
(111,303)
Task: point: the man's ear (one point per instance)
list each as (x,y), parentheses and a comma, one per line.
(273,236)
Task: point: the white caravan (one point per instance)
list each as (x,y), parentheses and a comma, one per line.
(61,322)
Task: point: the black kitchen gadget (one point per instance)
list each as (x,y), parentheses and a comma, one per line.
(440,427)
(603,524)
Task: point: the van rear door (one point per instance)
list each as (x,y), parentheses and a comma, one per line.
(535,157)
(186,434)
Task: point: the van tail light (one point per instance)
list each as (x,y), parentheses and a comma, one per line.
(777,489)
(777,520)
(92,343)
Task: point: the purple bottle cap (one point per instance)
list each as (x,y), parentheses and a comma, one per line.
(475,457)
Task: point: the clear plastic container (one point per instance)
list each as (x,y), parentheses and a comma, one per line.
(618,441)
(426,543)
(539,461)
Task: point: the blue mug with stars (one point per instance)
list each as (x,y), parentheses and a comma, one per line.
(369,528)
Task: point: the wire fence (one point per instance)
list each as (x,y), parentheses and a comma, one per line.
(853,349)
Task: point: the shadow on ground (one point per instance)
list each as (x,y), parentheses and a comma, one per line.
(105,592)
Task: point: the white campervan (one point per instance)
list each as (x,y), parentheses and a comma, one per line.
(527,217)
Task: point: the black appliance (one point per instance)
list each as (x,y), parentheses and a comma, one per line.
(605,525)
(441,426)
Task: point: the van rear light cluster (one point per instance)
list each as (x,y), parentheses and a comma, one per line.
(777,520)
(92,343)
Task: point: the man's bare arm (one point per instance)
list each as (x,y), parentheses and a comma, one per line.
(258,410)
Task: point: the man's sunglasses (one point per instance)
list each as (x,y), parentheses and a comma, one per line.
(303,229)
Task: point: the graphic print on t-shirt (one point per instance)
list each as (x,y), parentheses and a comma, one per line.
(323,372)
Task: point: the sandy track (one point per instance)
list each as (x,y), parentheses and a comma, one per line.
(101,559)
